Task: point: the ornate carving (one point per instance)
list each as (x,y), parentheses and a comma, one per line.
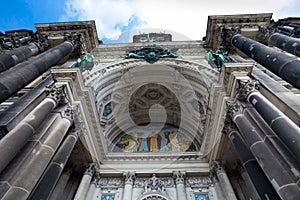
(129,177)
(246,88)
(179,177)
(58,94)
(110,183)
(229,125)
(90,169)
(151,53)
(217,168)
(233,108)
(68,113)
(198,181)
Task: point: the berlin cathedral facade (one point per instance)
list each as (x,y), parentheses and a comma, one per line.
(154,119)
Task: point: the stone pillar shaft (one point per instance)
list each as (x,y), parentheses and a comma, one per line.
(85,183)
(10,58)
(278,122)
(257,176)
(55,168)
(180,186)
(129,178)
(20,75)
(284,66)
(276,173)
(286,43)
(225,183)
(11,143)
(26,178)
(14,140)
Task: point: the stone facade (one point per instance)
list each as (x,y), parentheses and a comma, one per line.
(179,128)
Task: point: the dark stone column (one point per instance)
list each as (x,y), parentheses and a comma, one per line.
(55,168)
(23,106)
(286,43)
(278,121)
(281,180)
(257,176)
(15,56)
(284,66)
(12,143)
(27,176)
(20,75)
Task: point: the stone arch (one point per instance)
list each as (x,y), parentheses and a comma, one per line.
(102,79)
(153,197)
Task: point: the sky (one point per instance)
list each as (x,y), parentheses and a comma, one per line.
(113,18)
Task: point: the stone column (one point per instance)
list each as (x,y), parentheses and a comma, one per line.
(85,183)
(279,177)
(180,186)
(14,140)
(224,181)
(129,178)
(31,170)
(277,121)
(92,189)
(286,43)
(257,176)
(15,56)
(50,177)
(22,74)
(284,66)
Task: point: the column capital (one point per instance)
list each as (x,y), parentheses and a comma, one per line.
(129,177)
(90,170)
(217,168)
(229,125)
(233,108)
(57,93)
(246,87)
(179,176)
(69,113)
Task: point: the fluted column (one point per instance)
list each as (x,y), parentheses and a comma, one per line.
(224,181)
(22,74)
(15,56)
(55,168)
(180,186)
(277,120)
(129,178)
(15,139)
(279,177)
(85,182)
(284,66)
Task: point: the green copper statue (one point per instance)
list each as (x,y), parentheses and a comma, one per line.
(151,53)
(217,58)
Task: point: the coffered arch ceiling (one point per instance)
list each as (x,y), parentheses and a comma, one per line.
(152,84)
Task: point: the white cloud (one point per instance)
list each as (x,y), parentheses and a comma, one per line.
(187,17)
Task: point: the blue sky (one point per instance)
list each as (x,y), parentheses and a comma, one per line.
(114,17)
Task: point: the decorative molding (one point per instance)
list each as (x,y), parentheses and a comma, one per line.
(57,93)
(229,125)
(129,177)
(179,177)
(246,87)
(197,182)
(69,113)
(233,108)
(90,170)
(110,183)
